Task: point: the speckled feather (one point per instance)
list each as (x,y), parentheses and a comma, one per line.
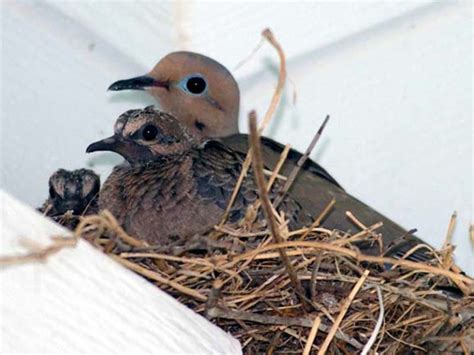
(173,184)
(184,194)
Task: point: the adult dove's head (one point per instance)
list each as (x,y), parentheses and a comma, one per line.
(200,92)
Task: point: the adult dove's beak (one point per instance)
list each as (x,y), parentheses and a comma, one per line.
(137,83)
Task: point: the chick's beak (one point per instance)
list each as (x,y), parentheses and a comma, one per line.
(125,147)
(112,144)
(137,83)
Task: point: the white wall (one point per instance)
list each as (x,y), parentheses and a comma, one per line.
(395,77)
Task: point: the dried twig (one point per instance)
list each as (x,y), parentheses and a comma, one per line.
(268,35)
(342,313)
(412,265)
(450,231)
(278,166)
(447,246)
(312,336)
(157,277)
(359,236)
(39,253)
(267,207)
(378,325)
(218,312)
(300,163)
(320,218)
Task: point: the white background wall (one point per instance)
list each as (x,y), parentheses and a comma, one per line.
(396,78)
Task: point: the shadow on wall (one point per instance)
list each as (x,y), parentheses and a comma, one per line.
(104,160)
(136,99)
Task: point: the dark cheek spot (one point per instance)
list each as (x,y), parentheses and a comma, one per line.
(199,125)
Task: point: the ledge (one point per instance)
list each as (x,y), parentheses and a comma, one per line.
(79,300)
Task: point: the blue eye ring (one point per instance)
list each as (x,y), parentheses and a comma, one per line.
(194,84)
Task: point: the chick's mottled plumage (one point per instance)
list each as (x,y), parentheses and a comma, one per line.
(171,183)
(74,192)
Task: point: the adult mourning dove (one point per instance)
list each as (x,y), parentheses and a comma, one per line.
(203,95)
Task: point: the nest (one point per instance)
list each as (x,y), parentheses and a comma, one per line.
(299,291)
(312,291)
(328,298)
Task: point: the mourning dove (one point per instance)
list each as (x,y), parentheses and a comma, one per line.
(203,95)
(172,184)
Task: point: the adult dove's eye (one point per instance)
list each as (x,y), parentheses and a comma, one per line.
(149,132)
(196,85)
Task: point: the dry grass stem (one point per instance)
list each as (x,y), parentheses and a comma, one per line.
(268,35)
(157,277)
(300,163)
(345,306)
(378,325)
(312,336)
(37,252)
(318,220)
(267,206)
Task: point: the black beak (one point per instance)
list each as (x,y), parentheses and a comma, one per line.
(138,83)
(125,147)
(112,144)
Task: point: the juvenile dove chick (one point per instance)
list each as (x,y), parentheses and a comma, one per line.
(203,95)
(173,184)
(71,191)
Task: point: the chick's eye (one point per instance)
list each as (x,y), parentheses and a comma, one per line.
(196,85)
(52,192)
(149,132)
